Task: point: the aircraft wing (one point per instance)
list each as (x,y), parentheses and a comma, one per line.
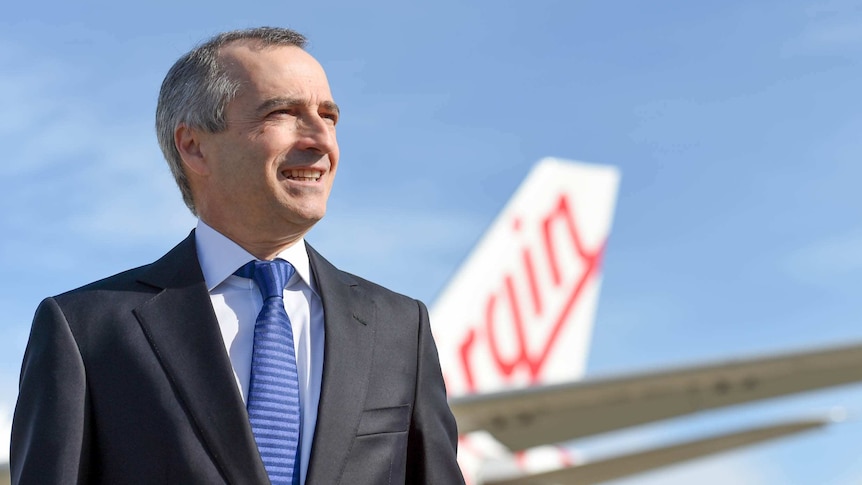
(525,418)
(621,466)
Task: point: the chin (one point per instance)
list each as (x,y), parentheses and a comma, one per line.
(305,215)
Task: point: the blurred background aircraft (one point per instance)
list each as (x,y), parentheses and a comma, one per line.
(513,330)
(734,123)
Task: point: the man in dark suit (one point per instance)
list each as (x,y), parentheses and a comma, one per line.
(143,377)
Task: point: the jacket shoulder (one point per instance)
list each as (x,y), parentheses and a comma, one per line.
(124,280)
(170,269)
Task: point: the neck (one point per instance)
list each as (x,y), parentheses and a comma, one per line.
(260,246)
(264,251)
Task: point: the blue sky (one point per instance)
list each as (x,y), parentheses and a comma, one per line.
(735,125)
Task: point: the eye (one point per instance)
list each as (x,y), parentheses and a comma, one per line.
(283,112)
(332,117)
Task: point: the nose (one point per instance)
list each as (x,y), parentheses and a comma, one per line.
(317,133)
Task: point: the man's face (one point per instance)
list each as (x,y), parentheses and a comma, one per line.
(270,172)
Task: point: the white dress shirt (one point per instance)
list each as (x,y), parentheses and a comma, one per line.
(237,302)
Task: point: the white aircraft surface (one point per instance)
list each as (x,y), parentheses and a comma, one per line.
(513,330)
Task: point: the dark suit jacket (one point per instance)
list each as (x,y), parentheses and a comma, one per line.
(127,380)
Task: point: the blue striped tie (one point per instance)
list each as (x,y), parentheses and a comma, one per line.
(273,390)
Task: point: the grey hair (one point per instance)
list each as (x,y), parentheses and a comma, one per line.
(197,90)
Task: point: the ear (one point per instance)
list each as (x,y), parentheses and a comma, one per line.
(188,142)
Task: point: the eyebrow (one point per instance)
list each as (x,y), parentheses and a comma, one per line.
(293,102)
(331,106)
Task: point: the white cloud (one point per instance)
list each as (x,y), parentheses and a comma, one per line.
(834,26)
(824,260)
(828,7)
(826,36)
(375,234)
(75,172)
(85,190)
(412,247)
(42,119)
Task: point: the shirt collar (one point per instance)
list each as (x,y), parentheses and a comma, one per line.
(219,257)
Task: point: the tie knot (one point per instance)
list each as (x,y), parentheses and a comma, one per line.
(271,276)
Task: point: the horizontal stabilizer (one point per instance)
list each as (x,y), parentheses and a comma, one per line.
(531,417)
(621,466)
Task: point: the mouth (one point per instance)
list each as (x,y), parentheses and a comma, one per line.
(302,174)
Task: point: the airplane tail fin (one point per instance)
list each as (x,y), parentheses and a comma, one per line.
(520,310)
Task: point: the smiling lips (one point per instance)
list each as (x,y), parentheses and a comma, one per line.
(303,175)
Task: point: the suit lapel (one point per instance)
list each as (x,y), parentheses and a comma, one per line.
(184,334)
(348,349)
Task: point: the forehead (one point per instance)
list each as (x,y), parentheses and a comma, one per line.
(274,69)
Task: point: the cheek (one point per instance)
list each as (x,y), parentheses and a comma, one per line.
(334,159)
(273,137)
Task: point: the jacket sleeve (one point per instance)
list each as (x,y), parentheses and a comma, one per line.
(50,425)
(433,437)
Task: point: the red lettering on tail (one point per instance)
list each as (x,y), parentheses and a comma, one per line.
(560,220)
